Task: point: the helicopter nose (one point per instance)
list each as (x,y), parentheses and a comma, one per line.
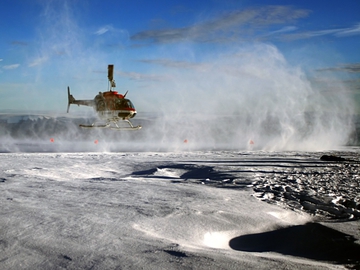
(129,114)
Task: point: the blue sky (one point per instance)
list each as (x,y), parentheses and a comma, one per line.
(47,45)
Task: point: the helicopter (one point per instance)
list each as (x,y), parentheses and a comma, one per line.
(110,106)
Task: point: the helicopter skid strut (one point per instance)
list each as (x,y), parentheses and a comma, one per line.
(115,126)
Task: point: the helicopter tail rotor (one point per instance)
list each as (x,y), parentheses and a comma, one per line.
(71,99)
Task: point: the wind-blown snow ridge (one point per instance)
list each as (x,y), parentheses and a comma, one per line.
(327,190)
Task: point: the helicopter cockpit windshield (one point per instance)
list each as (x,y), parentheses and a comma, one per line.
(121,104)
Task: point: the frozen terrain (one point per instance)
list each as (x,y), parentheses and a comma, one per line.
(176,195)
(179,210)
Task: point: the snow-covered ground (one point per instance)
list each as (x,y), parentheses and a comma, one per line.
(179,210)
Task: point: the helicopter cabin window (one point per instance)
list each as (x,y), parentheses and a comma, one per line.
(120,104)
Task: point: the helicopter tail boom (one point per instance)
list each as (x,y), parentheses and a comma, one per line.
(72,100)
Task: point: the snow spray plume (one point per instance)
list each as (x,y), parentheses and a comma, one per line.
(252,95)
(68,55)
(249,99)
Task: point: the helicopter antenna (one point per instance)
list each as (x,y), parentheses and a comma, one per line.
(111,76)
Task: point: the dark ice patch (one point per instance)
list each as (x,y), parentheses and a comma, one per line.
(193,172)
(103,179)
(3,244)
(145,172)
(67,257)
(332,158)
(175,253)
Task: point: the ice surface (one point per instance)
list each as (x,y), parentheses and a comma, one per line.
(175,210)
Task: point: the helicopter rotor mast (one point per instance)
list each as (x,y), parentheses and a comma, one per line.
(111,76)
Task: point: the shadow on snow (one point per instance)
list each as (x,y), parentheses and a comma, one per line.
(312,240)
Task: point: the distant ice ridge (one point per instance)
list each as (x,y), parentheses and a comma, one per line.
(52,133)
(19,118)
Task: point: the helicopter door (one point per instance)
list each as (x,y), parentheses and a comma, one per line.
(100,103)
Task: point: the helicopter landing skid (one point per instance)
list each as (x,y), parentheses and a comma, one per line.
(115,126)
